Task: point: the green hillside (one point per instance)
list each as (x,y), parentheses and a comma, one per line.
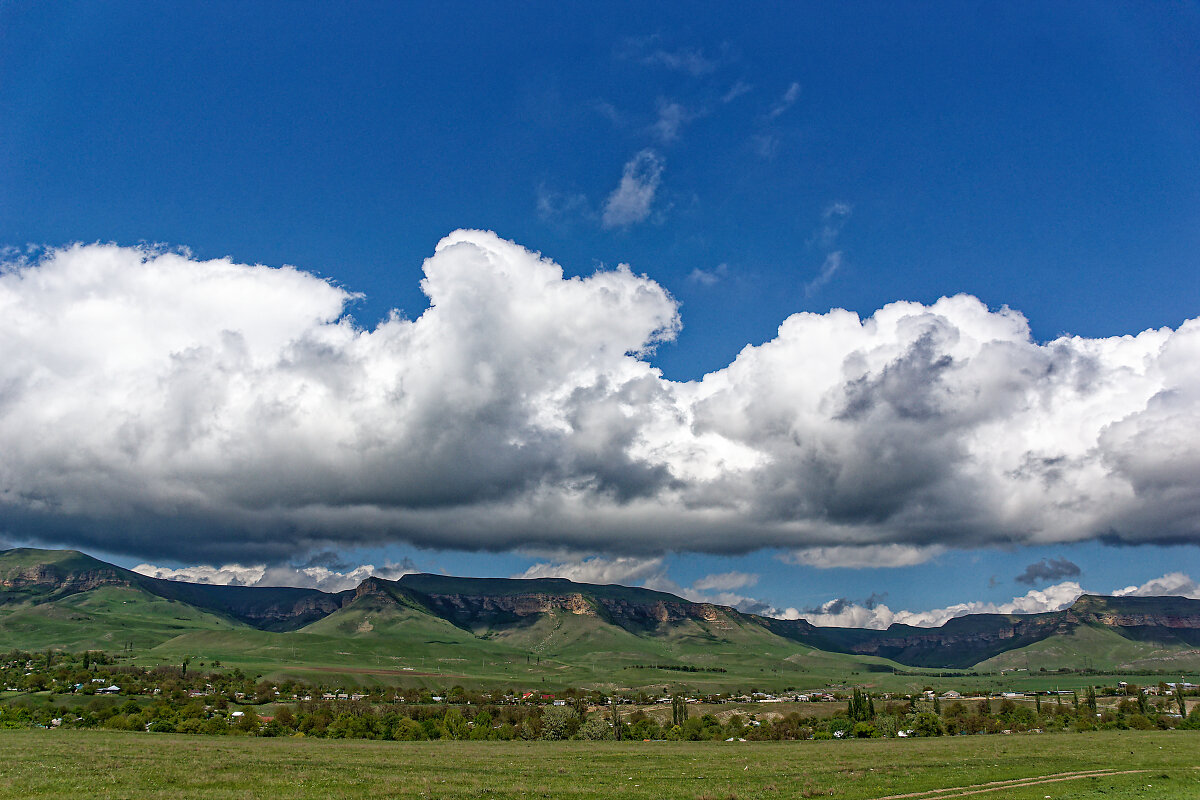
(105,618)
(63,560)
(1099,648)
(431,630)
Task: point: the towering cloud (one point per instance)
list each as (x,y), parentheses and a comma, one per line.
(205,410)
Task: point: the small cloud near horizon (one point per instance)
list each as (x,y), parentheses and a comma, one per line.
(1048,570)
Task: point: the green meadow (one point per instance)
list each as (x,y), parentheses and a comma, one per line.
(102,764)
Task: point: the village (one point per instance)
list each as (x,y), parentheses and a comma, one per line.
(94,690)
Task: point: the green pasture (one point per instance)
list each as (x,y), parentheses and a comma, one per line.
(1113,764)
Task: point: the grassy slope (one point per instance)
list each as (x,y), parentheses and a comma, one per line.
(376,640)
(59,563)
(72,560)
(44,764)
(1098,647)
(105,618)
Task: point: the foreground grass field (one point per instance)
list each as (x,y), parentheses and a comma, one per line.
(1118,764)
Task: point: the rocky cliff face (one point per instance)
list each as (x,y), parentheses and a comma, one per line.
(962,647)
(663,612)
(49,580)
(470,610)
(288,614)
(486,610)
(1118,619)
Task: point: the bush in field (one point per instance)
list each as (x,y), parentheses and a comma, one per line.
(840,727)
(346,726)
(887,725)
(1140,722)
(455,725)
(559,722)
(863,730)
(249,722)
(596,728)
(407,730)
(928,724)
(645,729)
(15,717)
(193,726)
(482,726)
(214,727)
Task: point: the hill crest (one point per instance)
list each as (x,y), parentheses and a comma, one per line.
(488,607)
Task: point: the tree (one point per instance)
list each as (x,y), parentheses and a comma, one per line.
(861,708)
(249,721)
(559,722)
(863,730)
(927,724)
(285,717)
(456,725)
(1091,699)
(679,710)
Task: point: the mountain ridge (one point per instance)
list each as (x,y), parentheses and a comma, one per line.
(552,612)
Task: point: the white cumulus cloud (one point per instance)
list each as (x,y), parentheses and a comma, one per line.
(844,614)
(1174,584)
(323,578)
(156,404)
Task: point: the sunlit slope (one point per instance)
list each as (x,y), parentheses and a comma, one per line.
(1099,648)
(29,575)
(106,618)
(380,621)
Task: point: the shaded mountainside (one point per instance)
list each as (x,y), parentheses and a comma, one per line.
(43,593)
(965,641)
(38,576)
(960,643)
(484,603)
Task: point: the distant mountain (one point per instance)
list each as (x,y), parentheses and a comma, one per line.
(68,599)
(36,576)
(965,641)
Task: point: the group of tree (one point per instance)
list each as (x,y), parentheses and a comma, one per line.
(200,700)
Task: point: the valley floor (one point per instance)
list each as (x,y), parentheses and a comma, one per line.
(105,764)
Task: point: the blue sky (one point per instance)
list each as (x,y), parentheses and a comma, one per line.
(751,163)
